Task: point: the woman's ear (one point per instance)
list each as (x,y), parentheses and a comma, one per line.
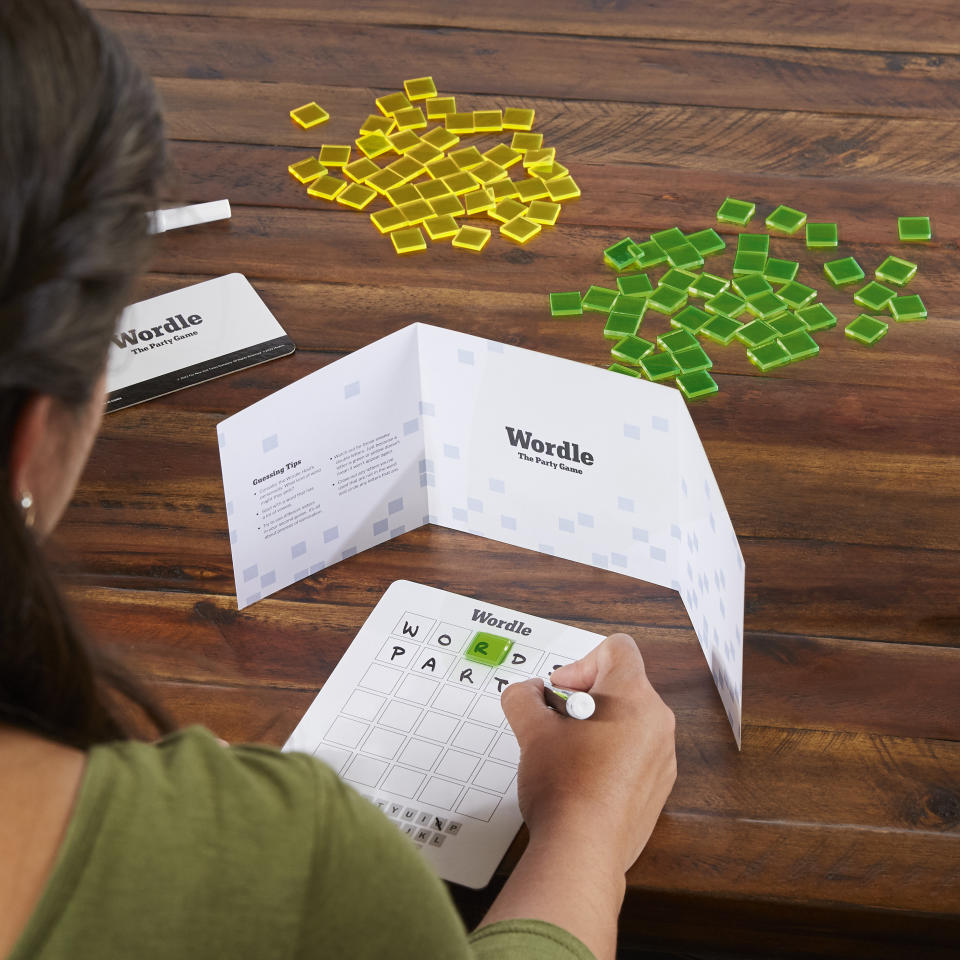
(31,447)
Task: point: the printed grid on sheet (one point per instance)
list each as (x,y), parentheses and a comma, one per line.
(423,735)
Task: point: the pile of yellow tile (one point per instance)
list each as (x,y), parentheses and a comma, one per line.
(431,184)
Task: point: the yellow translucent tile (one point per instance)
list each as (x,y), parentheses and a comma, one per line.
(487,121)
(440,138)
(488,172)
(532,188)
(356,195)
(471,238)
(424,153)
(503,156)
(405,168)
(420,88)
(542,211)
(466,158)
(405,193)
(515,118)
(460,183)
(439,107)
(459,122)
(383,181)
(432,189)
(375,123)
(373,144)
(439,228)
(335,154)
(388,105)
(551,172)
(416,211)
(361,169)
(326,187)
(442,168)
(307,170)
(508,209)
(520,229)
(309,115)
(503,189)
(477,201)
(526,141)
(408,241)
(563,188)
(448,204)
(389,219)
(544,157)
(410,119)
(403,140)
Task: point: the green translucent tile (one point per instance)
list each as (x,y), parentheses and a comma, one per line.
(668,238)
(787,323)
(769,355)
(635,285)
(727,303)
(766,305)
(599,299)
(782,271)
(632,306)
(753,243)
(756,334)
(736,211)
(684,255)
(696,385)
(667,300)
(799,345)
(843,271)
(865,329)
(908,308)
(797,294)
(690,318)
(692,359)
(620,325)
(620,256)
(786,219)
(720,329)
(817,317)
(650,254)
(751,285)
(619,368)
(913,230)
(566,304)
(707,285)
(676,340)
(707,242)
(896,271)
(822,236)
(659,366)
(749,262)
(874,296)
(632,349)
(488,648)
(678,279)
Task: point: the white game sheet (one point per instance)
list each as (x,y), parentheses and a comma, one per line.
(433,426)
(418,729)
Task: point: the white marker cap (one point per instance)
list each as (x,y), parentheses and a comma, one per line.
(580,705)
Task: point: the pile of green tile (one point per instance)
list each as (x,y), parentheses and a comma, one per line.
(774,323)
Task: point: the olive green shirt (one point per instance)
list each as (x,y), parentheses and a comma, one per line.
(186,849)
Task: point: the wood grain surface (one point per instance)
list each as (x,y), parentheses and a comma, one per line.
(836,831)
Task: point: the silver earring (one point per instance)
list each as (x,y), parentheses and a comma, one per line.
(26,507)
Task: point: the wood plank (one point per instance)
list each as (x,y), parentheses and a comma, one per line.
(811,684)
(876,24)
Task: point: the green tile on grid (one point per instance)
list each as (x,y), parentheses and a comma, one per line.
(736,211)
(914,229)
(747,261)
(667,300)
(787,323)
(786,219)
(678,278)
(843,271)
(822,236)
(817,317)
(684,255)
(866,329)
(769,355)
(619,368)
(696,385)
(753,243)
(727,303)
(797,294)
(767,305)
(676,340)
(599,299)
(756,334)
(620,256)
(689,318)
(659,366)
(632,349)
(635,284)
(799,345)
(707,242)
(720,329)
(908,308)
(874,296)
(751,285)
(692,359)
(780,271)
(707,285)
(620,325)
(896,271)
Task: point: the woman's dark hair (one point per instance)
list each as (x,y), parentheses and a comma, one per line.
(81,155)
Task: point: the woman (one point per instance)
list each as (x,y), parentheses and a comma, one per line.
(187,848)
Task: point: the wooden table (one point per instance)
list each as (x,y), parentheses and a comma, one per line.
(837,830)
